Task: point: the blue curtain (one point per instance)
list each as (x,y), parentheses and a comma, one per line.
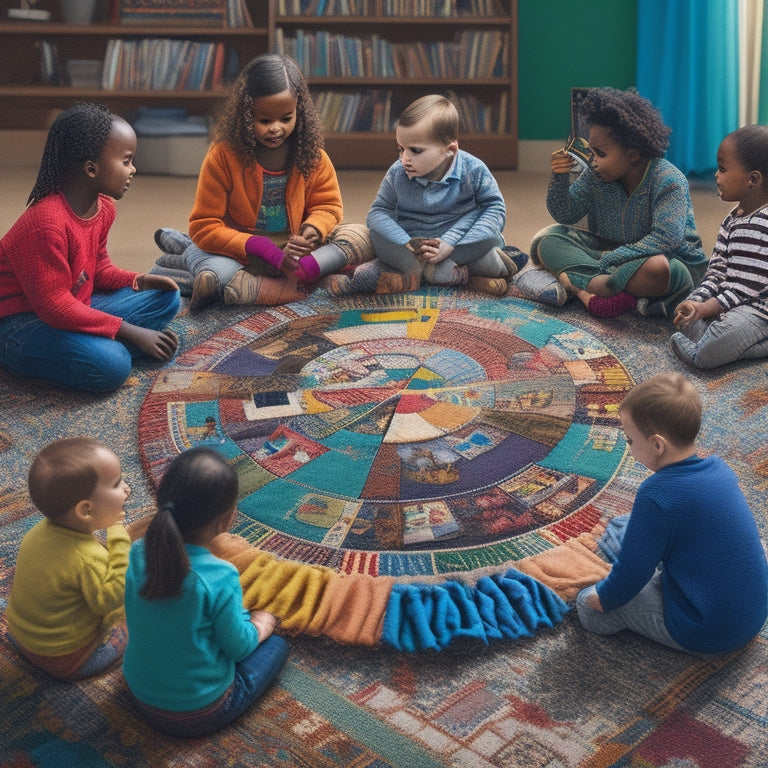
(688,66)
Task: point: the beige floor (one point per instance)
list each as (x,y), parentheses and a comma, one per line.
(162,201)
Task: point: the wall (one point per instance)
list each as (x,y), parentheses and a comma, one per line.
(564,44)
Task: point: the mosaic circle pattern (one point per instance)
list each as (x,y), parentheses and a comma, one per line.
(415,434)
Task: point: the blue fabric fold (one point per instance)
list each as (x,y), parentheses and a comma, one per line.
(508,606)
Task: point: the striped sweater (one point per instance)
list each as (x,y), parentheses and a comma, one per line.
(737,273)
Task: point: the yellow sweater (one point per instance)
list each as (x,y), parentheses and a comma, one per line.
(229,195)
(65,583)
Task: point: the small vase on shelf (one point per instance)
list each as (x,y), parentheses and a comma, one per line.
(77,11)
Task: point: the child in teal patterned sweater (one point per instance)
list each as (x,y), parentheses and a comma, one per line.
(641,241)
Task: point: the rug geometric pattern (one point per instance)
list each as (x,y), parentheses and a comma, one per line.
(400,436)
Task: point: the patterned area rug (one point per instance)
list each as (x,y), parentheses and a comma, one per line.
(407,435)
(559,698)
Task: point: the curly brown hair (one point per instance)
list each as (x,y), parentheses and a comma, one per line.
(632,121)
(267,75)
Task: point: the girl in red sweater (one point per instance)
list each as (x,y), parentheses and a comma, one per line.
(67,313)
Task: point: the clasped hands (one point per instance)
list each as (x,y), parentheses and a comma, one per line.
(429,249)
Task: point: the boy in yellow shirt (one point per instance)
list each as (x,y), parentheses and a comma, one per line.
(66,603)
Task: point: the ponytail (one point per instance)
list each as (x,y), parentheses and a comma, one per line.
(166,561)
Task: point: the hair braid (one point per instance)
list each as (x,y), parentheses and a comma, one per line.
(78,134)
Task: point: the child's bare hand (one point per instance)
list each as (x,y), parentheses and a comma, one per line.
(265,622)
(434,251)
(685,314)
(148,281)
(159,345)
(561,162)
(311,235)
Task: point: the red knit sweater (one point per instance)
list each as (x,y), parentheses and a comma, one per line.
(51,261)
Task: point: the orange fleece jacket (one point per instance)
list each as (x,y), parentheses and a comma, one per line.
(229,195)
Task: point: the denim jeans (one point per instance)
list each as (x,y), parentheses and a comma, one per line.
(740,334)
(644,614)
(31,348)
(252,677)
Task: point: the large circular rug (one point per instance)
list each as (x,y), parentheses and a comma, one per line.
(407,435)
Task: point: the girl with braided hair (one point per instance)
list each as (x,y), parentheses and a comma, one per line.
(196,658)
(67,313)
(267,212)
(640,246)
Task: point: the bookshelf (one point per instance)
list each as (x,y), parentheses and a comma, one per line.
(364,60)
(31,94)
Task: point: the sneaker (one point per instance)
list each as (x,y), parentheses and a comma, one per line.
(540,285)
(172,241)
(205,290)
(494,286)
(397,282)
(514,259)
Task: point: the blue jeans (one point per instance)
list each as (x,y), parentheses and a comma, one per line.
(252,677)
(644,614)
(740,334)
(31,348)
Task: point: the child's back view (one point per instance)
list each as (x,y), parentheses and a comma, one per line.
(691,572)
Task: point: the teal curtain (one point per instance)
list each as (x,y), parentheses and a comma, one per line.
(688,66)
(762,111)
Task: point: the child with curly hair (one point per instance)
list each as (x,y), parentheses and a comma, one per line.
(640,246)
(268,205)
(726,317)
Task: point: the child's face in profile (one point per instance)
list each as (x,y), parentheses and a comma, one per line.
(731,176)
(274,118)
(610,160)
(421,156)
(106,502)
(114,168)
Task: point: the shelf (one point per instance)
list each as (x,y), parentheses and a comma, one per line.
(53,29)
(30,103)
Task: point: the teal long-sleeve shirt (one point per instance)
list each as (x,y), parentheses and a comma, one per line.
(182,650)
(692,518)
(657,218)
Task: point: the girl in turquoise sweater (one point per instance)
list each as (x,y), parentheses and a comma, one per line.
(640,245)
(196,658)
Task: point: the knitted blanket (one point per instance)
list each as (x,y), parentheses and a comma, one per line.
(409,465)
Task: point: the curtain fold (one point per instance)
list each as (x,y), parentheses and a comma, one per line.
(688,66)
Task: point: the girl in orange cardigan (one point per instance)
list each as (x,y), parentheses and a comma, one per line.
(268,204)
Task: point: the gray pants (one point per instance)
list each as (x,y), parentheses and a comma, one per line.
(643,614)
(740,334)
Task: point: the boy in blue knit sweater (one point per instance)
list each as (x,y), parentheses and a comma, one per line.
(691,572)
(438,214)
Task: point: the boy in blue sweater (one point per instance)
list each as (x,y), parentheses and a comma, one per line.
(691,572)
(438,214)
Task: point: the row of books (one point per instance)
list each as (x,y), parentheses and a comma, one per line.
(206,13)
(371,110)
(409,8)
(164,64)
(473,54)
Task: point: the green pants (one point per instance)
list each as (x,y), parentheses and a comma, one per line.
(578,252)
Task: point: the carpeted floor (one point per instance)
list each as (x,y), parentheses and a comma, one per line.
(557,698)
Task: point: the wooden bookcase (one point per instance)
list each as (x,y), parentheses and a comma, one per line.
(30,103)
